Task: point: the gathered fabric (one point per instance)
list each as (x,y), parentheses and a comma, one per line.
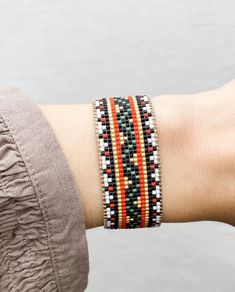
(43,245)
(25,257)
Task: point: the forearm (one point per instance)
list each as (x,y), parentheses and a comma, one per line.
(190,161)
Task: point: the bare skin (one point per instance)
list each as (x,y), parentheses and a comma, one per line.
(197,144)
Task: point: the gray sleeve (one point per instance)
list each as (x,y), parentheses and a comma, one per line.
(43,245)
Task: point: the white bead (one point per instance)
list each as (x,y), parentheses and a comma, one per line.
(157,171)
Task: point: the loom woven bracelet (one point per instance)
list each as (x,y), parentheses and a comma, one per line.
(129,159)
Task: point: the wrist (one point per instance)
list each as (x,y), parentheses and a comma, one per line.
(196,152)
(184,165)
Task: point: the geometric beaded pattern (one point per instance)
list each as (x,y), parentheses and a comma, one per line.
(129,160)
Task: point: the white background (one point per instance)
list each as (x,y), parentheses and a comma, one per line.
(72,51)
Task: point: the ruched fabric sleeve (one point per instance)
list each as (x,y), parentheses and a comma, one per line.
(43,245)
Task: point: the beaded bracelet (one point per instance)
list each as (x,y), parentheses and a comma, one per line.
(129,159)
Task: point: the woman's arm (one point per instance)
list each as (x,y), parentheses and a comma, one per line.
(197,145)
